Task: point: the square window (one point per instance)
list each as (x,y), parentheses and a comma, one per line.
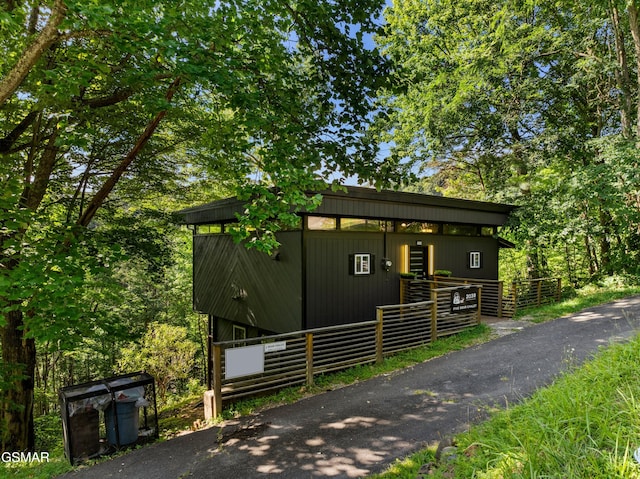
(362,264)
(475,260)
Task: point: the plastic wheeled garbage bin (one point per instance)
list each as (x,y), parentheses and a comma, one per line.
(124,412)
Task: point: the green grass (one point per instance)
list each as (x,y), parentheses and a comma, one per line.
(586,297)
(56,465)
(586,425)
(410,467)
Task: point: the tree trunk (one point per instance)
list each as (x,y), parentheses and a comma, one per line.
(18,352)
(16,401)
(591,256)
(606,223)
(533,262)
(634,26)
(622,74)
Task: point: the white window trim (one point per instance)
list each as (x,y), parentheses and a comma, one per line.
(475,260)
(362,264)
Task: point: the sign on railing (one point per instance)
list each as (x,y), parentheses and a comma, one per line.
(244,361)
(464,299)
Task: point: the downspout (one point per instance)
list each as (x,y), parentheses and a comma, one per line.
(303,272)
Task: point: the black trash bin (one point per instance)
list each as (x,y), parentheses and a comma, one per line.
(80,408)
(119,400)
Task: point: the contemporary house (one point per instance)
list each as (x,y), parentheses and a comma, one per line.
(346,258)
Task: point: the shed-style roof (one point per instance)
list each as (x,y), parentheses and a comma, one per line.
(358,202)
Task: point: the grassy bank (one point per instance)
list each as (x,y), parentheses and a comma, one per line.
(574,301)
(586,425)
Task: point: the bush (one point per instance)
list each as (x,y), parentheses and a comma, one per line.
(165,352)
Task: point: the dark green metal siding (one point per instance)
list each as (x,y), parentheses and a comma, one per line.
(246,286)
(333,296)
(310,286)
(454,252)
(450,253)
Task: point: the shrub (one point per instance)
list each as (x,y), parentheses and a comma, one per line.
(165,352)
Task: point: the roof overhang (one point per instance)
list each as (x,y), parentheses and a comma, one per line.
(503,243)
(358,202)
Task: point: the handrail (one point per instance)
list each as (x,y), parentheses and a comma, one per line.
(452,288)
(393,306)
(292,334)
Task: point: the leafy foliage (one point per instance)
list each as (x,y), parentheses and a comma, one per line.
(530,103)
(104,104)
(165,352)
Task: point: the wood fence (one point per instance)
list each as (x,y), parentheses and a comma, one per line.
(497,300)
(535,292)
(296,358)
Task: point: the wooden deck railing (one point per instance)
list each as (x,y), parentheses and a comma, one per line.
(296,358)
(497,299)
(492,293)
(535,292)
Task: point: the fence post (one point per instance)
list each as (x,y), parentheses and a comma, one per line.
(479,317)
(213,397)
(514,295)
(434,315)
(403,290)
(539,292)
(559,289)
(500,298)
(309,353)
(379,338)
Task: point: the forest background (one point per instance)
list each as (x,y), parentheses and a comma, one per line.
(116,114)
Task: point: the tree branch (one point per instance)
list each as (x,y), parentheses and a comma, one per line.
(634,26)
(32,54)
(108,186)
(8,141)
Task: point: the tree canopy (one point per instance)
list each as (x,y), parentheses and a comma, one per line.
(105,102)
(533,103)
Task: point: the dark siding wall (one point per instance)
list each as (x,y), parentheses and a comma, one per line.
(450,253)
(453,254)
(246,286)
(333,296)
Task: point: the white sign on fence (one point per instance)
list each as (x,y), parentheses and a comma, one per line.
(277,346)
(244,361)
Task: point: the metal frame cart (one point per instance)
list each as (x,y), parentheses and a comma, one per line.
(117,401)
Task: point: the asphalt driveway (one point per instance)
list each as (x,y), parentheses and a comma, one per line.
(360,429)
